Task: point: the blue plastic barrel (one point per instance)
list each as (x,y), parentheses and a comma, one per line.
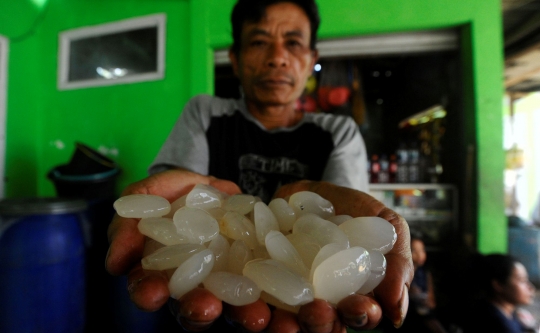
(42,265)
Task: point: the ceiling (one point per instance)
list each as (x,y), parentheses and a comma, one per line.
(521,21)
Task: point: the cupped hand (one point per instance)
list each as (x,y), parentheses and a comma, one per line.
(390,298)
(148,289)
(198,309)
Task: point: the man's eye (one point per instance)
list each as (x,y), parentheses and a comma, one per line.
(295,43)
(257,43)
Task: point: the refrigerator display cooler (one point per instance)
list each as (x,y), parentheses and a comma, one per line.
(430,209)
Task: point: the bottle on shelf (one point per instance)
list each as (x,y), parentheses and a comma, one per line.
(384,169)
(402,175)
(414,164)
(392,169)
(368,170)
(375,169)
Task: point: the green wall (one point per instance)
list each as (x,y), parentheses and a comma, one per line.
(128,121)
(134,119)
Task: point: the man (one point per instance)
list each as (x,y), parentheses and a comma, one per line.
(261,142)
(273,55)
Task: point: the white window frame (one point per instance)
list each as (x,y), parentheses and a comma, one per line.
(66,37)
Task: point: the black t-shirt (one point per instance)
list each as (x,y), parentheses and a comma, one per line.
(219,137)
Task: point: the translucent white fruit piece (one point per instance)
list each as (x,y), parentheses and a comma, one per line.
(216,212)
(260,252)
(341,275)
(170,272)
(378,261)
(142,205)
(251,215)
(150,246)
(237,226)
(264,221)
(192,272)
(323,231)
(377,272)
(339,219)
(269,299)
(282,250)
(232,288)
(220,247)
(204,197)
(274,278)
(284,214)
(241,203)
(196,224)
(306,202)
(326,252)
(170,256)
(372,233)
(161,229)
(176,205)
(239,255)
(306,246)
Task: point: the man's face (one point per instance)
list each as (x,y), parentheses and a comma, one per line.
(275,58)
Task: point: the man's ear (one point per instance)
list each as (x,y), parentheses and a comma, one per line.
(234,61)
(315,55)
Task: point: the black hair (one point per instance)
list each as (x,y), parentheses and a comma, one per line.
(494,267)
(253,11)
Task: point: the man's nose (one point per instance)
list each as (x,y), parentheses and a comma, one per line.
(278,56)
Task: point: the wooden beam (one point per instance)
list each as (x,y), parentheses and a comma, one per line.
(522,66)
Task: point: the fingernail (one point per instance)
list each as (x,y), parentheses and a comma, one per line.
(173,306)
(107,256)
(187,325)
(361,320)
(403,306)
(356,321)
(133,285)
(192,326)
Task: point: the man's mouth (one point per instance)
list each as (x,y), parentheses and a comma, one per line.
(276,81)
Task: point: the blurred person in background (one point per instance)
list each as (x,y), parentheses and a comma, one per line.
(421,315)
(502,285)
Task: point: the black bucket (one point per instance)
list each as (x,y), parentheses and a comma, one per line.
(88,175)
(85,186)
(88,161)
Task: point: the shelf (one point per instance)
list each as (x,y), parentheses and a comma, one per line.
(405,186)
(416,218)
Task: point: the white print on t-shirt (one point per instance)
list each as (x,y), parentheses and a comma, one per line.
(275,165)
(257,171)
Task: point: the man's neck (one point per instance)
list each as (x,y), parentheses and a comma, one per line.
(272,117)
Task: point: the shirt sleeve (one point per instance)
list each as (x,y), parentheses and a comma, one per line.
(347,164)
(186,146)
